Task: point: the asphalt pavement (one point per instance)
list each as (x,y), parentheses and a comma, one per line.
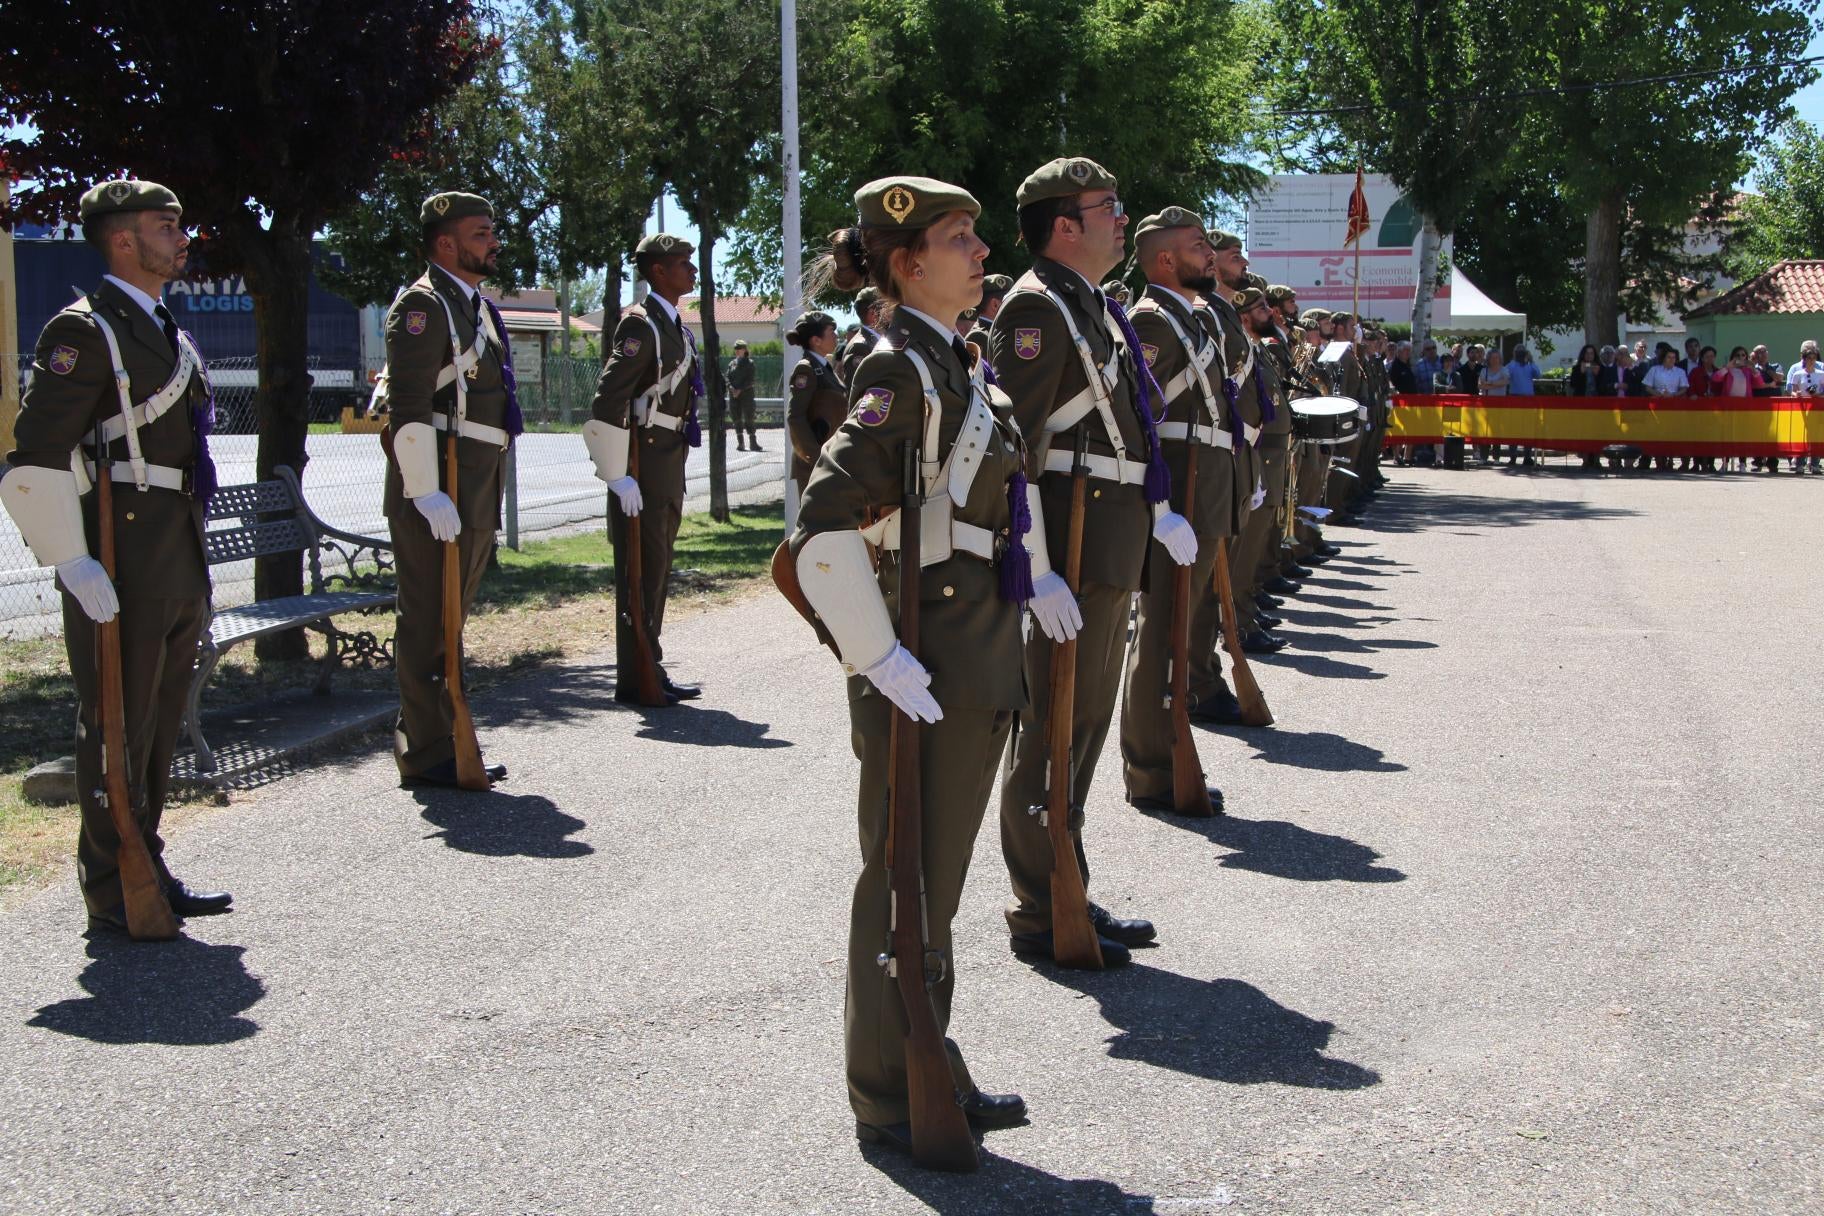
(1518,909)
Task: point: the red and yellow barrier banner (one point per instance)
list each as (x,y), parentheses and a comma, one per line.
(1658,426)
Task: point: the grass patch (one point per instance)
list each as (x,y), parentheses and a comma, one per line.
(553,600)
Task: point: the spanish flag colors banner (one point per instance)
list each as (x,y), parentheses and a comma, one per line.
(1672,426)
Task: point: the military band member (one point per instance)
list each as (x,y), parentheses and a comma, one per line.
(869,309)
(154,427)
(1060,354)
(1347,380)
(647,395)
(818,401)
(1186,359)
(1257,552)
(446,354)
(1314,379)
(916,244)
(740,378)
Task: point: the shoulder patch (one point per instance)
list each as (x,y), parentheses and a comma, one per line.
(1026,342)
(415,322)
(630,347)
(872,408)
(63,360)
(801,380)
(1151,352)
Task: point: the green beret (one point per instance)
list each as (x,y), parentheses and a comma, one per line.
(1311,316)
(910,202)
(129,194)
(1062,177)
(1279,293)
(1255,280)
(1247,298)
(1220,240)
(866,298)
(1342,318)
(454,205)
(1171,217)
(995,286)
(663,244)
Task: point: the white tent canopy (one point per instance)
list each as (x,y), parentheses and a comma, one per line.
(1468,310)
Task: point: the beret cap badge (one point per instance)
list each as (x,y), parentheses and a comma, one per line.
(1079,171)
(440,204)
(899,203)
(118,191)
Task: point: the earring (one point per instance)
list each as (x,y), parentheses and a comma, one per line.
(918,272)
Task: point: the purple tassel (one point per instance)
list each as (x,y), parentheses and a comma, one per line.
(1231,394)
(1266,398)
(693,434)
(1158,477)
(1016,566)
(202,424)
(516,420)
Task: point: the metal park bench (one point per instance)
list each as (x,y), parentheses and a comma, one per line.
(271,517)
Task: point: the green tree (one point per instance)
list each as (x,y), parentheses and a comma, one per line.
(1786,219)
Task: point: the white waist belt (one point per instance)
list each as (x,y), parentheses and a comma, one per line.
(964,538)
(662,420)
(163,476)
(470,429)
(1126,472)
(1361,411)
(1205,434)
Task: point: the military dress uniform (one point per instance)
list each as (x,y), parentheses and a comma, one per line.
(1313,459)
(646,394)
(817,406)
(970,636)
(862,341)
(1185,356)
(446,358)
(1039,364)
(1256,557)
(161,473)
(1348,381)
(741,400)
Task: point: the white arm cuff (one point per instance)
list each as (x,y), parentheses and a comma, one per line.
(838,580)
(415,448)
(43,503)
(1036,544)
(607,448)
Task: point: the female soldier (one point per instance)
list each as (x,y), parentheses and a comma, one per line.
(818,403)
(922,388)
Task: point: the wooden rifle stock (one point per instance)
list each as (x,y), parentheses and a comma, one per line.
(1073,938)
(1190,794)
(646,682)
(940,1131)
(471,774)
(1254,711)
(784,570)
(149,915)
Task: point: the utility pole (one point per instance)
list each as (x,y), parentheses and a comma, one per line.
(793,269)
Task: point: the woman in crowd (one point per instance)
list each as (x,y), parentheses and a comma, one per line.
(1806,379)
(818,402)
(1703,382)
(1493,383)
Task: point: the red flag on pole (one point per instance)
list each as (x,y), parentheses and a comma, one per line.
(1359,223)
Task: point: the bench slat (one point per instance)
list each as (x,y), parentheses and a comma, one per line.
(286,535)
(266,616)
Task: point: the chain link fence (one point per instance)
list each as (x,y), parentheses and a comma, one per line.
(551,487)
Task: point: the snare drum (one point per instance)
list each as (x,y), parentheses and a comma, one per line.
(1326,420)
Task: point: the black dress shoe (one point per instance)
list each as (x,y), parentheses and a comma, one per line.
(987,1111)
(1262,642)
(442,775)
(1128,932)
(1163,804)
(1281,585)
(185,902)
(1262,599)
(1316,557)
(1347,521)
(1267,621)
(1297,571)
(1038,945)
(893,1135)
(682,692)
(1328,549)
(629,696)
(106,925)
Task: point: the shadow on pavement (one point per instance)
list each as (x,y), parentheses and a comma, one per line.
(496,824)
(1334,601)
(1417,508)
(1340,584)
(1222,1030)
(1330,620)
(569,693)
(1318,750)
(1004,1187)
(1317,665)
(1330,642)
(182,993)
(1284,850)
(703,727)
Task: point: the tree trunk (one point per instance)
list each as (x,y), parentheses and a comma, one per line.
(712,367)
(278,279)
(1602,272)
(1430,242)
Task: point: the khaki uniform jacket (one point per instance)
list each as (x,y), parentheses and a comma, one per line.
(1279,378)
(740,377)
(158,534)
(417,350)
(633,367)
(1165,355)
(1038,367)
(970,636)
(1236,346)
(854,351)
(817,406)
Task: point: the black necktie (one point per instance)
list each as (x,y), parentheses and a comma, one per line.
(962,353)
(165,319)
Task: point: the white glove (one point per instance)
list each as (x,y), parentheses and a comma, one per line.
(628,491)
(1174,532)
(904,681)
(1260,496)
(84,578)
(440,513)
(1055,608)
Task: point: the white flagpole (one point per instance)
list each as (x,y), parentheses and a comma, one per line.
(793,269)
